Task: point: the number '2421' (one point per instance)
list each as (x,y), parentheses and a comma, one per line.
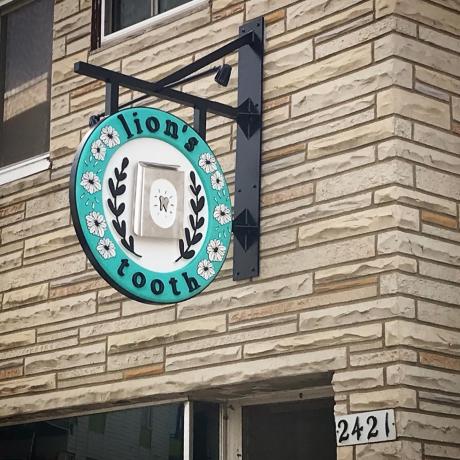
(365,427)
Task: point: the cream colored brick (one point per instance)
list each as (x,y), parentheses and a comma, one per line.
(353,138)
(72,23)
(318,211)
(437,139)
(394,171)
(421,11)
(438,450)
(439,271)
(288,58)
(404,374)
(50,312)
(119,325)
(51,241)
(440,39)
(382,357)
(419,246)
(22,297)
(420,154)
(438,314)
(63,69)
(402,332)
(429,427)
(356,313)
(31,227)
(436,182)
(27,385)
(364,34)
(456,108)
(81,372)
(413,50)
(205,358)
(391,71)
(59,106)
(357,379)
(47,203)
(415,198)
(64,9)
(153,336)
(266,291)
(383,399)
(135,359)
(304,341)
(329,22)
(309,11)
(10,261)
(63,359)
(234,338)
(318,71)
(17,339)
(317,169)
(394,450)
(413,105)
(367,267)
(39,348)
(437,79)
(422,287)
(358,223)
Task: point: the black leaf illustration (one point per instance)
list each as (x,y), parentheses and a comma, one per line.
(196,222)
(118,189)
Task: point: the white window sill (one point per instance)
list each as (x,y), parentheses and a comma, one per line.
(161,19)
(25,168)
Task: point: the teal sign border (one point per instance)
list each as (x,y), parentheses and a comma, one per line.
(90,222)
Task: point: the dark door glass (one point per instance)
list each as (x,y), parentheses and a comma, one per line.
(205,431)
(301,430)
(26,80)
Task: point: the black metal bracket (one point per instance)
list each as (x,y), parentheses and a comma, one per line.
(248,117)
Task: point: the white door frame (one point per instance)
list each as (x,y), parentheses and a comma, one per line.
(231,415)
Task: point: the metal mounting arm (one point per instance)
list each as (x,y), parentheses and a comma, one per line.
(248,116)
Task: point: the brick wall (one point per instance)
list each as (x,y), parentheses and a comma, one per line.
(360,221)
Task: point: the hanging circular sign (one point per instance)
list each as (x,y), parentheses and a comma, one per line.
(150,206)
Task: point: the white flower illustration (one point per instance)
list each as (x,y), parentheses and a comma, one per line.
(98,150)
(222,214)
(217,181)
(207,162)
(90,182)
(96,223)
(216,250)
(106,248)
(205,269)
(109,136)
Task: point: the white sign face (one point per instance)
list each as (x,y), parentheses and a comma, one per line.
(365,427)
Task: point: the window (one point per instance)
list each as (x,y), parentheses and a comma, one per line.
(25,66)
(122,14)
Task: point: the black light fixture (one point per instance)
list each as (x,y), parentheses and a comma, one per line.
(223,75)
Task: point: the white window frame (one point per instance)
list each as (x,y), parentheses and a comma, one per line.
(167,16)
(34,164)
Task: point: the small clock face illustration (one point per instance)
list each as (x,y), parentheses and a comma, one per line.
(163,203)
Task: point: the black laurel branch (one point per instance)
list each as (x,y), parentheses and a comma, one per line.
(117,189)
(192,235)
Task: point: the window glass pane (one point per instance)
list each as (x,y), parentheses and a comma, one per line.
(26,111)
(122,435)
(124,13)
(165,5)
